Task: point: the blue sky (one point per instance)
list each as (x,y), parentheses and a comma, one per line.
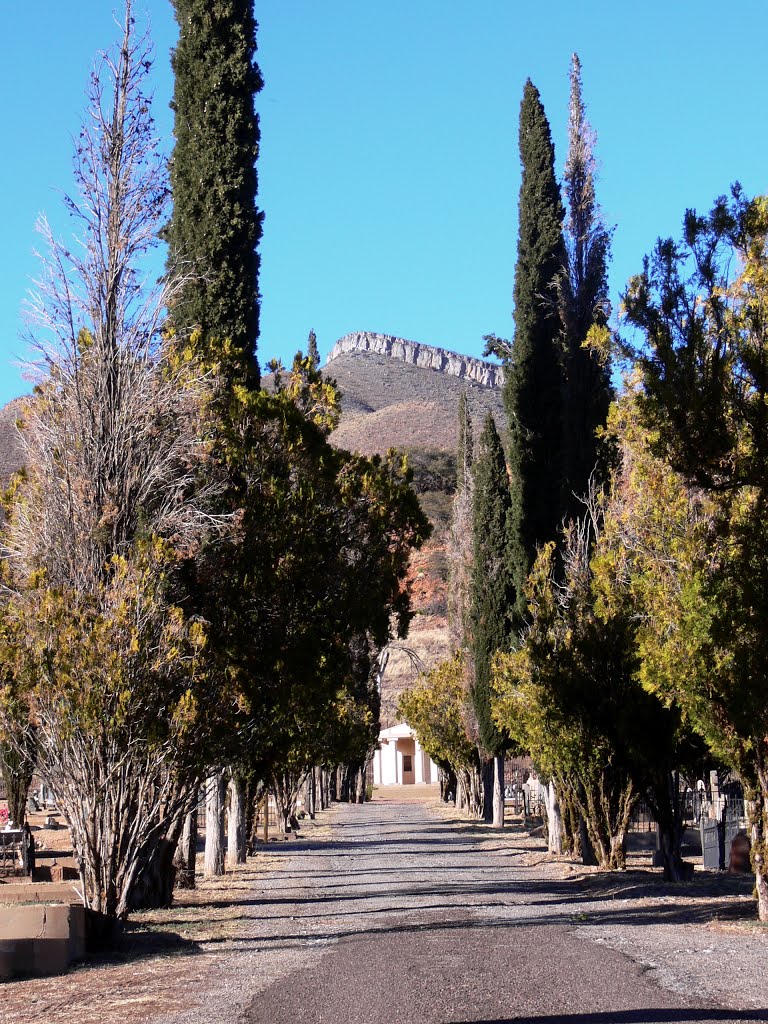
(389,170)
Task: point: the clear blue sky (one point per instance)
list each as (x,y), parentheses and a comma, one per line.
(389,169)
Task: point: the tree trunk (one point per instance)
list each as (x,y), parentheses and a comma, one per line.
(312,793)
(157,876)
(606,804)
(675,869)
(236,834)
(342,784)
(588,857)
(360,784)
(252,796)
(186,852)
(17,766)
(498,791)
(667,806)
(554,820)
(215,789)
(759,844)
(570,816)
(448,790)
(170,863)
(487,774)
(471,792)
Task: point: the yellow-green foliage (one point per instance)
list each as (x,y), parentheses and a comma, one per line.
(435,708)
(657,554)
(119,662)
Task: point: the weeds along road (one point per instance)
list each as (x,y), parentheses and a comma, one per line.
(395,913)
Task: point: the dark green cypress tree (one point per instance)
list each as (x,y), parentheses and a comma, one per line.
(215,226)
(583,305)
(533,387)
(465,449)
(492,590)
(313,352)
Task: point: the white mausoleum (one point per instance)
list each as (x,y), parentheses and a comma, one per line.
(399,759)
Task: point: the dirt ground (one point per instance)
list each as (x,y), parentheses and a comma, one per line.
(161,968)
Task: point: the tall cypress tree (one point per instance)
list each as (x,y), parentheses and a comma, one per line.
(465,450)
(492,591)
(583,305)
(313,352)
(216,226)
(533,388)
(459,547)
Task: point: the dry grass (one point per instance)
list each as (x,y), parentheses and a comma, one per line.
(409,424)
(158,966)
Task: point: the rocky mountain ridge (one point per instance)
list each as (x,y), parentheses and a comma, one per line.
(431,357)
(399,394)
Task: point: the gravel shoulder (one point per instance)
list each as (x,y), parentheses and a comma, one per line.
(365,883)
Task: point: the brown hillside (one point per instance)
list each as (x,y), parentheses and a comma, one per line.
(413,406)
(416,424)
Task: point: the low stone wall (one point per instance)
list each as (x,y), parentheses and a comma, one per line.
(479,371)
(41,938)
(39,890)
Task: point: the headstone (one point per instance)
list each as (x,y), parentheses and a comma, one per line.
(739,861)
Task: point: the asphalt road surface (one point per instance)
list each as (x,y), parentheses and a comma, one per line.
(404,917)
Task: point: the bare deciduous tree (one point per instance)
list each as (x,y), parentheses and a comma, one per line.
(111,670)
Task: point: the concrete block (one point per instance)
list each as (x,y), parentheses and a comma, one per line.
(21,922)
(41,939)
(16,957)
(7,964)
(55,922)
(78,923)
(50,956)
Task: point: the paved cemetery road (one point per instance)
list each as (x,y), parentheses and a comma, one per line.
(406,918)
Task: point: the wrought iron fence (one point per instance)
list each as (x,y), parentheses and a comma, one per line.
(14,851)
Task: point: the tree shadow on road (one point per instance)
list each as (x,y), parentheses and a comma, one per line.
(650,1016)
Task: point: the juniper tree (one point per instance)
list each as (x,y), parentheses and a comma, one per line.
(701,307)
(215,226)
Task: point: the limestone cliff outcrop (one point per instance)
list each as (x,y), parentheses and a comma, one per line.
(479,371)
